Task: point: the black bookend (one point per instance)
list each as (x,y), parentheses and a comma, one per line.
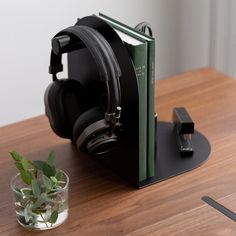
(125,159)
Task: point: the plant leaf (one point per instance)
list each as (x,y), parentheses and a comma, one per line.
(26,176)
(47,199)
(38,203)
(53,217)
(36,188)
(59,175)
(18,190)
(24,162)
(16,156)
(47,182)
(51,158)
(19,166)
(27,192)
(54,179)
(49,170)
(39,164)
(48,214)
(28,212)
(27,215)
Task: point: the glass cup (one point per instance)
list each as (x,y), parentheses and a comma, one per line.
(45,210)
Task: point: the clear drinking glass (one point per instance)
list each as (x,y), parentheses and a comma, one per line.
(47,210)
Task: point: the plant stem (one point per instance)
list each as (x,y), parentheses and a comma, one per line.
(45,222)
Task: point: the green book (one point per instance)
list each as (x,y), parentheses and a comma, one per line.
(150,128)
(137,49)
(138,54)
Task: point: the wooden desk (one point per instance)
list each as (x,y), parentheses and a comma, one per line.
(103,204)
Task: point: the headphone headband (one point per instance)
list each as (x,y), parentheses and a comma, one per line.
(55,64)
(103,56)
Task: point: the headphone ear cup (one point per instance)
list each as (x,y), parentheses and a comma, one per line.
(91,133)
(64,102)
(87,118)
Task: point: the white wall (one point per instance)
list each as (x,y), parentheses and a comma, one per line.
(26,28)
(189,34)
(223,36)
(205,35)
(192,40)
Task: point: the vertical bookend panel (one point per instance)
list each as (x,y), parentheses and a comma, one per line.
(125,158)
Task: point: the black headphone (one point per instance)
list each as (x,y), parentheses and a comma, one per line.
(94,130)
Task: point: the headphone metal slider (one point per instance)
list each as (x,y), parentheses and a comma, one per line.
(118,112)
(113,116)
(109,116)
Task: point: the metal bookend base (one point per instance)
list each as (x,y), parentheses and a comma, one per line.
(169,162)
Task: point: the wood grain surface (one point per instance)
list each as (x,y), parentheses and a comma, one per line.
(103,204)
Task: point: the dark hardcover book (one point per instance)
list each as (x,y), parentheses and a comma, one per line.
(138,54)
(150,128)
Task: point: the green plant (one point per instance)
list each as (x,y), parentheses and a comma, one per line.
(38,199)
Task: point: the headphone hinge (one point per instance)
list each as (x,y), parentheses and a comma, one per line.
(54,77)
(110,117)
(113,118)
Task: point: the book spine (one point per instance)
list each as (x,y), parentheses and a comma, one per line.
(151,110)
(138,55)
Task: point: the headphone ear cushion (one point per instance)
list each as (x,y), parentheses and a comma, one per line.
(86,119)
(64,102)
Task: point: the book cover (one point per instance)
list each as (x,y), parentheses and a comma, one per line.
(138,54)
(150,87)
